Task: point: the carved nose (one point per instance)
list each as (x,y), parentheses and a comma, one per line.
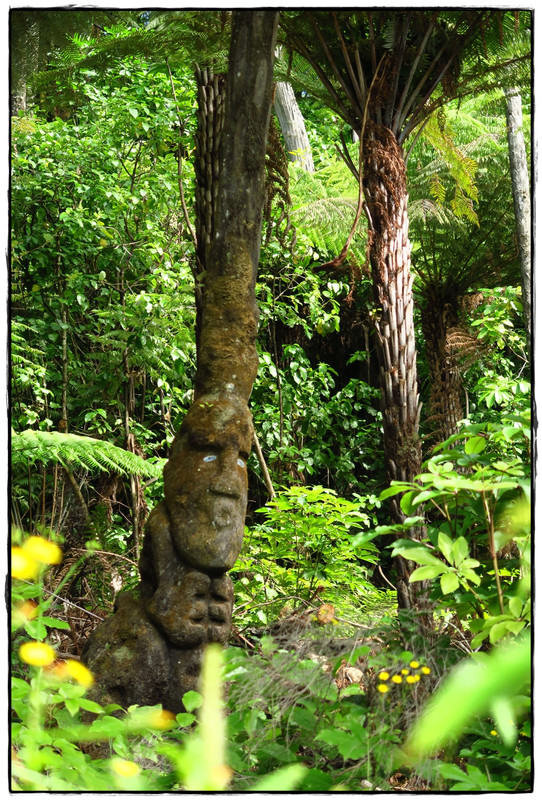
(227,481)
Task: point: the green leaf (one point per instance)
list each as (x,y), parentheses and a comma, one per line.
(449,582)
(107,728)
(460,550)
(185,720)
(55,623)
(470,691)
(72,705)
(406,502)
(499,630)
(475,445)
(502,711)
(90,705)
(282,780)
(427,573)
(445,545)
(347,744)
(192,700)
(421,555)
(516,606)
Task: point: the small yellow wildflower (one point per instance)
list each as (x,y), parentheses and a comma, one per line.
(397,679)
(160,720)
(413,678)
(426,670)
(382,688)
(24,612)
(38,654)
(79,672)
(42,550)
(414,664)
(405,672)
(493,733)
(126,769)
(23,566)
(383,676)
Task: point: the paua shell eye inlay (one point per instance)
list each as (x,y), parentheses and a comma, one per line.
(241,463)
(209,458)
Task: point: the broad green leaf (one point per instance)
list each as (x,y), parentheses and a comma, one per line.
(460,550)
(395,488)
(475,445)
(55,623)
(445,545)
(282,780)
(502,711)
(421,555)
(427,573)
(406,502)
(516,606)
(499,630)
(470,691)
(192,700)
(90,705)
(422,497)
(347,744)
(449,582)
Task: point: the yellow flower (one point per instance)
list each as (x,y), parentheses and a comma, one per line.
(160,720)
(79,672)
(426,670)
(397,679)
(23,566)
(126,769)
(384,676)
(493,733)
(42,550)
(38,654)
(405,671)
(414,664)
(25,612)
(382,688)
(413,678)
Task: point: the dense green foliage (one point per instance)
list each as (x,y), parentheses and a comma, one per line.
(328,685)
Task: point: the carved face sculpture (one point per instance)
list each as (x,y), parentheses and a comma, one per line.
(206,483)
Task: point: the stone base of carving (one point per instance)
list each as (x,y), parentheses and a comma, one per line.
(134,663)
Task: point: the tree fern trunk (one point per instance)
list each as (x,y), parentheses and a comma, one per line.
(446,394)
(389,252)
(210,117)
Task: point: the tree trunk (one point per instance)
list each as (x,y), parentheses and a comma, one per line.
(384,183)
(519,174)
(439,318)
(150,651)
(292,126)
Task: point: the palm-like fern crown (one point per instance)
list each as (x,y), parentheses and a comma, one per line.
(455,252)
(397,67)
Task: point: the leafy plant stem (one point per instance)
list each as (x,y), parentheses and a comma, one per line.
(492,550)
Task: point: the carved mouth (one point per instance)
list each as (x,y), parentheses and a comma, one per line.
(224,513)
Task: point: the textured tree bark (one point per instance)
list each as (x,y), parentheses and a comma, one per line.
(384,184)
(150,650)
(519,174)
(439,317)
(292,126)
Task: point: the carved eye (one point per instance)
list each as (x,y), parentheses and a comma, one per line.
(209,458)
(240,463)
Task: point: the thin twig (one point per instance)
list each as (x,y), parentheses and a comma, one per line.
(263,466)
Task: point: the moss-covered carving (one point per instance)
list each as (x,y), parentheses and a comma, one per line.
(150,650)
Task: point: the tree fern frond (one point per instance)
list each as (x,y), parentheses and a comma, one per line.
(72,450)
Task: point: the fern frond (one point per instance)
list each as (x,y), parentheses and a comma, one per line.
(71,450)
